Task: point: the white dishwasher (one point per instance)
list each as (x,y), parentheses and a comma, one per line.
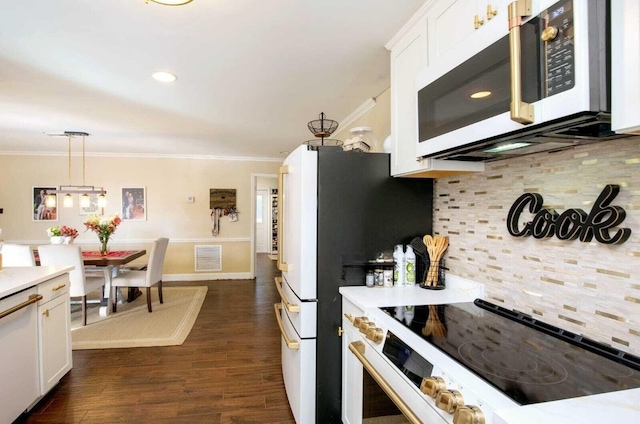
(19,385)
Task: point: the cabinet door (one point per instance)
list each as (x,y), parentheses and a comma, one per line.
(54,326)
(407,59)
(457,29)
(625,66)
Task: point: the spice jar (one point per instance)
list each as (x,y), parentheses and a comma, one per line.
(369,279)
(378,277)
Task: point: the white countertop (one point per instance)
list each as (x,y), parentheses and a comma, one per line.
(616,407)
(457,290)
(14,279)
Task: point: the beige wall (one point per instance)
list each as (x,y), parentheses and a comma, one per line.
(168,182)
(587,288)
(378,118)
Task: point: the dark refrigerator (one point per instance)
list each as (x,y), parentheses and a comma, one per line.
(339,211)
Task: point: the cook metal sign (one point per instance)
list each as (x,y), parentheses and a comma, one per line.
(572,223)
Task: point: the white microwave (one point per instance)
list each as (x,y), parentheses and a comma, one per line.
(543,85)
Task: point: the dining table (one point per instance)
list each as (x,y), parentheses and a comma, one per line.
(109,265)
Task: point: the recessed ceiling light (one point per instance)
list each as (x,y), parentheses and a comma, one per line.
(480,94)
(171,2)
(163,76)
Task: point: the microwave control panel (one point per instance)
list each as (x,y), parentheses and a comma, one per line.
(557,36)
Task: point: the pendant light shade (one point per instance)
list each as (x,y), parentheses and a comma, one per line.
(68,200)
(85,201)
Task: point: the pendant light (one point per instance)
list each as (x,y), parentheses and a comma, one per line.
(84,190)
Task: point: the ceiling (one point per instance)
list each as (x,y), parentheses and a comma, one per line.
(251,73)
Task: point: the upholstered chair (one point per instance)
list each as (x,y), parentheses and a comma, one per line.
(81,282)
(148,278)
(17,255)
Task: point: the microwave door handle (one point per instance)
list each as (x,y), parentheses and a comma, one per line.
(520,111)
(282,265)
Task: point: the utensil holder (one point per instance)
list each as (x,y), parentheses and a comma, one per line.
(436,274)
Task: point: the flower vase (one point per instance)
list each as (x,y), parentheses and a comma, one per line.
(104,245)
(67,240)
(57,239)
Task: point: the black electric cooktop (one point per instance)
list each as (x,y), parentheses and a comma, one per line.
(528,360)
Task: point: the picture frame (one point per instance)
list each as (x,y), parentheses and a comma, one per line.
(39,210)
(93,208)
(134,204)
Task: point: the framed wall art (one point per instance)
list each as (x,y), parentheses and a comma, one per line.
(134,204)
(39,209)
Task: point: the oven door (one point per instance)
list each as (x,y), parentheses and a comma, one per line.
(518,81)
(373,388)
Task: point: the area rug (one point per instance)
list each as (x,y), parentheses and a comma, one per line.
(133,326)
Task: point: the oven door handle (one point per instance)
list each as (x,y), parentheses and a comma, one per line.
(34,298)
(291,344)
(357,348)
(520,111)
(290,306)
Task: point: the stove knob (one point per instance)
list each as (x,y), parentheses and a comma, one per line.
(366,326)
(449,400)
(376,335)
(431,386)
(358,321)
(468,414)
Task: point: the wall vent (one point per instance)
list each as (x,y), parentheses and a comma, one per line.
(208,258)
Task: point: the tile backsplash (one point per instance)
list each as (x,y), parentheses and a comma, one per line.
(588,288)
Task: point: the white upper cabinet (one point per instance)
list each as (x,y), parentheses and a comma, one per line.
(454,22)
(410,54)
(625,66)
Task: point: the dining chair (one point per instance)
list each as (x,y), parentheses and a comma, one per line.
(148,278)
(81,282)
(17,255)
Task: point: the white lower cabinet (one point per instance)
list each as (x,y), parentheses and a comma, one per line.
(54,336)
(351,368)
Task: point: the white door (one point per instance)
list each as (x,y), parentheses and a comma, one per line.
(298,222)
(262,221)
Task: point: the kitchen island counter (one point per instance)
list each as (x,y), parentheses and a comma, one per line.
(15,279)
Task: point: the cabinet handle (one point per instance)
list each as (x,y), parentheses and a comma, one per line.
(61,286)
(520,111)
(282,265)
(491,12)
(357,348)
(46,313)
(477,22)
(291,344)
(32,299)
(290,306)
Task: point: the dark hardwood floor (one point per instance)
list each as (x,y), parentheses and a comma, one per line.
(227,371)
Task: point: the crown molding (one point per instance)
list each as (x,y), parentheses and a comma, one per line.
(357,113)
(146,156)
(420,13)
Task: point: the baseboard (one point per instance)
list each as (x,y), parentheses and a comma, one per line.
(207,276)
